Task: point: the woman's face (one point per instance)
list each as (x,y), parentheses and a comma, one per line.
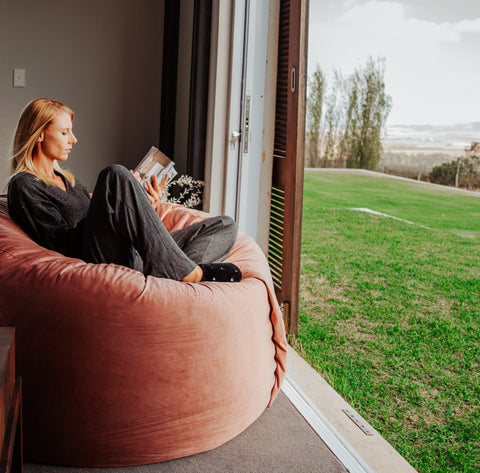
(56,141)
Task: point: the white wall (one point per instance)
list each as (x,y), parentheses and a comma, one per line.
(102,58)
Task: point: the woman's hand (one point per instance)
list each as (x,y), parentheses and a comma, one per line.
(155,189)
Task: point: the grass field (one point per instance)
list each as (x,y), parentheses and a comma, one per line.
(390,310)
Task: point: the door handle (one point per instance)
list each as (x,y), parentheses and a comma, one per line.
(234,138)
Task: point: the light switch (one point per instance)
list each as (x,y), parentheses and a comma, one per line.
(19,77)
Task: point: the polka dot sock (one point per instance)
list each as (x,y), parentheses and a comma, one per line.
(221,272)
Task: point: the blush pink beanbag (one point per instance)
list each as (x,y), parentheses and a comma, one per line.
(119,369)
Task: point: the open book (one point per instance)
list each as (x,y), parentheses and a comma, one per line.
(155,162)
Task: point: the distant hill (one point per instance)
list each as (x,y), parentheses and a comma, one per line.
(413,150)
(462,127)
(431,137)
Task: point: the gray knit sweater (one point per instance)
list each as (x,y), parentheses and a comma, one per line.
(54,218)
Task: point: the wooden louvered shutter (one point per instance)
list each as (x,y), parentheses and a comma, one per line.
(288,160)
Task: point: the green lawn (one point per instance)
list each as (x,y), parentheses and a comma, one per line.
(390,310)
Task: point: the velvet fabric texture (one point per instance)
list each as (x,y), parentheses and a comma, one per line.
(121,369)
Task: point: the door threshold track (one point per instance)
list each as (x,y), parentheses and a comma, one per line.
(324,429)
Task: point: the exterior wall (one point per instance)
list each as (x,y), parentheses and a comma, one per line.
(102,58)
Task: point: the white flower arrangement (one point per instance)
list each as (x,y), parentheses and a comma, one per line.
(185,191)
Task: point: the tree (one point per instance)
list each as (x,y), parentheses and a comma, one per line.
(333,122)
(315,109)
(346,118)
(463,172)
(445,173)
(369,107)
(350,141)
(470,169)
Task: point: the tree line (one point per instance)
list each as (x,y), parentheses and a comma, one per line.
(346,118)
(463,172)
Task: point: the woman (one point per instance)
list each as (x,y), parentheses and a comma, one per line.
(118,224)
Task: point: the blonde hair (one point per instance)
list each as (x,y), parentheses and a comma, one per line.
(35,118)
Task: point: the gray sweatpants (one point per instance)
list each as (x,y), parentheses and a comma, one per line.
(121,225)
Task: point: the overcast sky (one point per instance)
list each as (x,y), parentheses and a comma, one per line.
(432,51)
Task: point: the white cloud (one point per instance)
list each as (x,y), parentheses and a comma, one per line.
(468,26)
(426,71)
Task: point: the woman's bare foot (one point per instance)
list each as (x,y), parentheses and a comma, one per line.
(195,276)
